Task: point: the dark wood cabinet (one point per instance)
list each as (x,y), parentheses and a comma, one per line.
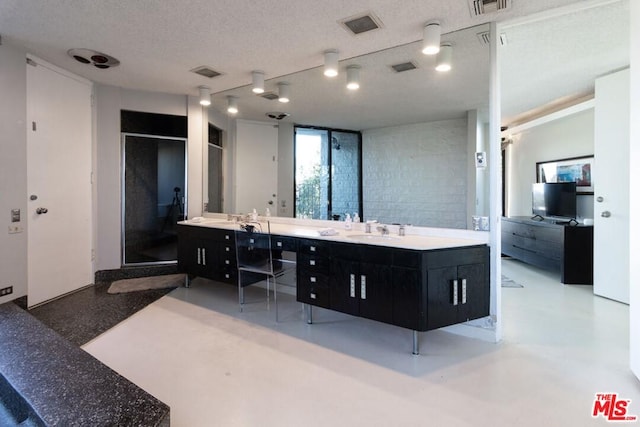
(207,252)
(567,249)
(361,289)
(312,270)
(415,289)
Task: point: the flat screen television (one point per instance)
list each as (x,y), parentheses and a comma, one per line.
(554,200)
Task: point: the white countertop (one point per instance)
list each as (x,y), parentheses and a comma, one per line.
(304,229)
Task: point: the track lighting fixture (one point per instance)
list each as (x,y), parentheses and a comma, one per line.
(431,38)
(283,92)
(257,78)
(232,105)
(205,96)
(443,60)
(331,62)
(353,77)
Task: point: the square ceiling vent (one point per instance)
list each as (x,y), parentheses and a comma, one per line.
(362,23)
(206,71)
(404,66)
(483,7)
(269,95)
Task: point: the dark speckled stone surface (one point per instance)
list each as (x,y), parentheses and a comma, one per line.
(85,314)
(63,384)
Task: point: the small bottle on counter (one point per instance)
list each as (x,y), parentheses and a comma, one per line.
(254,215)
(267,212)
(356,217)
(347,222)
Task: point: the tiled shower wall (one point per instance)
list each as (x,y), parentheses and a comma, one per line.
(416,174)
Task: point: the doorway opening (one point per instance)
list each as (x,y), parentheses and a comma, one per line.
(153,188)
(328,173)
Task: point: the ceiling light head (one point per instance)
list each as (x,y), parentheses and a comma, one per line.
(443,60)
(257,78)
(331,62)
(353,77)
(95,58)
(284,92)
(431,38)
(232,105)
(205,95)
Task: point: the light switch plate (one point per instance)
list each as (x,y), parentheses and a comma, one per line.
(13,229)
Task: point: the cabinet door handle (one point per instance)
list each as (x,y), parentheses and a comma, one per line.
(464,291)
(352,285)
(363,287)
(455,292)
(204,256)
(279,244)
(312,279)
(199,257)
(312,248)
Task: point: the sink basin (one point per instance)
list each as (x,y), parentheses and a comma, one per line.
(377,238)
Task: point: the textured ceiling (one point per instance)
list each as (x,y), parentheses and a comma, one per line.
(159,41)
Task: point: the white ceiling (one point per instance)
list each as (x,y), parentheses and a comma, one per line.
(158,42)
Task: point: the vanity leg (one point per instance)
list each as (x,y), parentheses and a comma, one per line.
(416,343)
(308,309)
(187,281)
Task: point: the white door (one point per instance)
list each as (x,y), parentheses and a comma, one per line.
(611,186)
(256,178)
(58,182)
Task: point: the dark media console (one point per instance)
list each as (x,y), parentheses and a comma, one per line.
(559,247)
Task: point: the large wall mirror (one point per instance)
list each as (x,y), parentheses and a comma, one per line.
(420,128)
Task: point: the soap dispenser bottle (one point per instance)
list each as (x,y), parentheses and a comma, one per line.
(356,217)
(347,222)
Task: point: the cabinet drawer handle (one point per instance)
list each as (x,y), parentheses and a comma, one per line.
(312,279)
(226,276)
(279,244)
(312,248)
(226,261)
(226,237)
(312,295)
(204,256)
(227,248)
(199,257)
(464,291)
(455,292)
(252,241)
(352,285)
(363,287)
(312,262)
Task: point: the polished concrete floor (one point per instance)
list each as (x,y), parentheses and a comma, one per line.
(216,366)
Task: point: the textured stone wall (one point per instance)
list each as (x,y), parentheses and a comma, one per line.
(416,174)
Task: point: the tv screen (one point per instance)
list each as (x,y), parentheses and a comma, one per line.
(557,199)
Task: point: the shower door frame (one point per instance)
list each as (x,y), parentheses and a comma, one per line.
(123,164)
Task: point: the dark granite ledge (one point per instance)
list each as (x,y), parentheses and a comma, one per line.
(63,384)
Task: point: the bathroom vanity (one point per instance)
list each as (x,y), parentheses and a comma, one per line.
(414,281)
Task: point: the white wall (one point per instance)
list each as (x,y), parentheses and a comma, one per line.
(13,169)
(416,174)
(109,101)
(570,136)
(634,187)
(285,170)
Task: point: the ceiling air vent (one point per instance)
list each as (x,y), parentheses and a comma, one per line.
(485,38)
(269,95)
(206,72)
(362,23)
(482,7)
(277,115)
(405,66)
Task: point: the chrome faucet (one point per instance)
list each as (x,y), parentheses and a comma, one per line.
(383,229)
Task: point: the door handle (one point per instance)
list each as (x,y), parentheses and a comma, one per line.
(605,214)
(41,211)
